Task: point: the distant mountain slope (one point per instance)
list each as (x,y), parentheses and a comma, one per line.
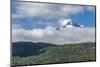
(68,23)
(28,48)
(62,54)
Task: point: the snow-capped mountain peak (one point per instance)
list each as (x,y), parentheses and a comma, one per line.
(68,23)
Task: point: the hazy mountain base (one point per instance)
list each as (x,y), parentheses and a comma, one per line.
(59,54)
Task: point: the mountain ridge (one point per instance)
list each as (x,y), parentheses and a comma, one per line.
(31,48)
(28,48)
(80,52)
(68,23)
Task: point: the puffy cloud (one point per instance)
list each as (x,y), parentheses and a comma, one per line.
(51,35)
(63,22)
(29,9)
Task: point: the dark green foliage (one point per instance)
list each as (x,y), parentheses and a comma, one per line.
(60,54)
(28,48)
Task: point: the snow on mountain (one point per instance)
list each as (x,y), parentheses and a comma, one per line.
(68,23)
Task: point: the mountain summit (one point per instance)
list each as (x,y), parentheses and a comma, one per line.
(67,23)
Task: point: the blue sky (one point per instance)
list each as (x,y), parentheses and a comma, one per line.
(87,18)
(36,22)
(29,16)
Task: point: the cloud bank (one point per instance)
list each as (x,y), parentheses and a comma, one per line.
(29,9)
(51,35)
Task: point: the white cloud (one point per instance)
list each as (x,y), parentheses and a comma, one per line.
(51,35)
(63,22)
(29,9)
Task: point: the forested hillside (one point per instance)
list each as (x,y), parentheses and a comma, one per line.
(53,54)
